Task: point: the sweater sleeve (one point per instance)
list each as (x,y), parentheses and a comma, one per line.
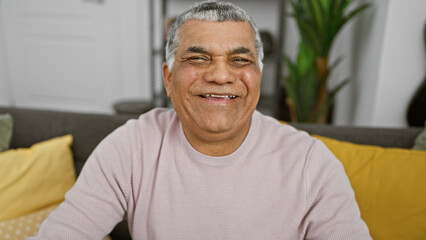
(98,200)
(332,211)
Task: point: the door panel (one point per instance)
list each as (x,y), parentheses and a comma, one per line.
(64,54)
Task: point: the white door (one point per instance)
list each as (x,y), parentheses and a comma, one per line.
(70,54)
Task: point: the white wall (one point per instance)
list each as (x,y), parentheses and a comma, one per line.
(403,62)
(5,97)
(135,44)
(361,45)
(390,63)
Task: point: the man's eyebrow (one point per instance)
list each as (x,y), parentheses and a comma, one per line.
(196,49)
(239,50)
(242,50)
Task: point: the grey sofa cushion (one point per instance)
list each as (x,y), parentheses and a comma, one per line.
(32,126)
(420,142)
(6,130)
(384,137)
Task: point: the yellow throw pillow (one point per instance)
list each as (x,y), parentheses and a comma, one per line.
(22,227)
(389,185)
(36,177)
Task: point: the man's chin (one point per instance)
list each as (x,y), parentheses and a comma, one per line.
(218,127)
(220,124)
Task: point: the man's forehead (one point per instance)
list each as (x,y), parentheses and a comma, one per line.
(190,23)
(198,35)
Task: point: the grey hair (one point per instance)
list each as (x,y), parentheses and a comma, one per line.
(214,11)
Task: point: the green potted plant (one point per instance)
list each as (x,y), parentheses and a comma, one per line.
(319,22)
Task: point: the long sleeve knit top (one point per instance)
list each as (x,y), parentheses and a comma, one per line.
(279,184)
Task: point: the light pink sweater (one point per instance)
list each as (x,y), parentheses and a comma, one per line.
(280,184)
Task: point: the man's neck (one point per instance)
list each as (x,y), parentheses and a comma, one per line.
(218,144)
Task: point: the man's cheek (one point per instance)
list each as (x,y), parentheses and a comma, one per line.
(189,70)
(250,77)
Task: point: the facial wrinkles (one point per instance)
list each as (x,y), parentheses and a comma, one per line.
(199,71)
(241,50)
(204,84)
(215,55)
(233,60)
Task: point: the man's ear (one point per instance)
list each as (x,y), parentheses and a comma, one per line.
(167,78)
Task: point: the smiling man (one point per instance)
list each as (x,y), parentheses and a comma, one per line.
(212,167)
(214,83)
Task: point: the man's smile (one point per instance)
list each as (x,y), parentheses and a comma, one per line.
(218,96)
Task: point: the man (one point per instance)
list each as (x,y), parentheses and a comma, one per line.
(212,168)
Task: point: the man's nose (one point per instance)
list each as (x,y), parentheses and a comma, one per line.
(220,72)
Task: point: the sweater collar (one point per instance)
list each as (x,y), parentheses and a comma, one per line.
(226,160)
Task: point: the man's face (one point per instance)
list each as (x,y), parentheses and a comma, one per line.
(214,84)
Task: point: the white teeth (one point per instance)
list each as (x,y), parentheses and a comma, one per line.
(221,96)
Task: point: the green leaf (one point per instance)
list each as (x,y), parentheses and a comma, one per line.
(290,80)
(305,58)
(317,18)
(296,10)
(309,36)
(345,5)
(291,71)
(301,82)
(353,14)
(325,12)
(325,4)
(336,7)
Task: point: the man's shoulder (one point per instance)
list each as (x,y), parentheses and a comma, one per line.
(158,116)
(271,126)
(281,134)
(151,124)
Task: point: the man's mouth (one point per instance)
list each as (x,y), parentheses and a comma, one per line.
(218,97)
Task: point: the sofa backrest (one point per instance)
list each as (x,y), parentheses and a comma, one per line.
(32,126)
(383,137)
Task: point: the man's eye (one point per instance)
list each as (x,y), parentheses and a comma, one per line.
(241,60)
(200,61)
(197,59)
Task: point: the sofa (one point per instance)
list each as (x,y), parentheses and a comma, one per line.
(32,126)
